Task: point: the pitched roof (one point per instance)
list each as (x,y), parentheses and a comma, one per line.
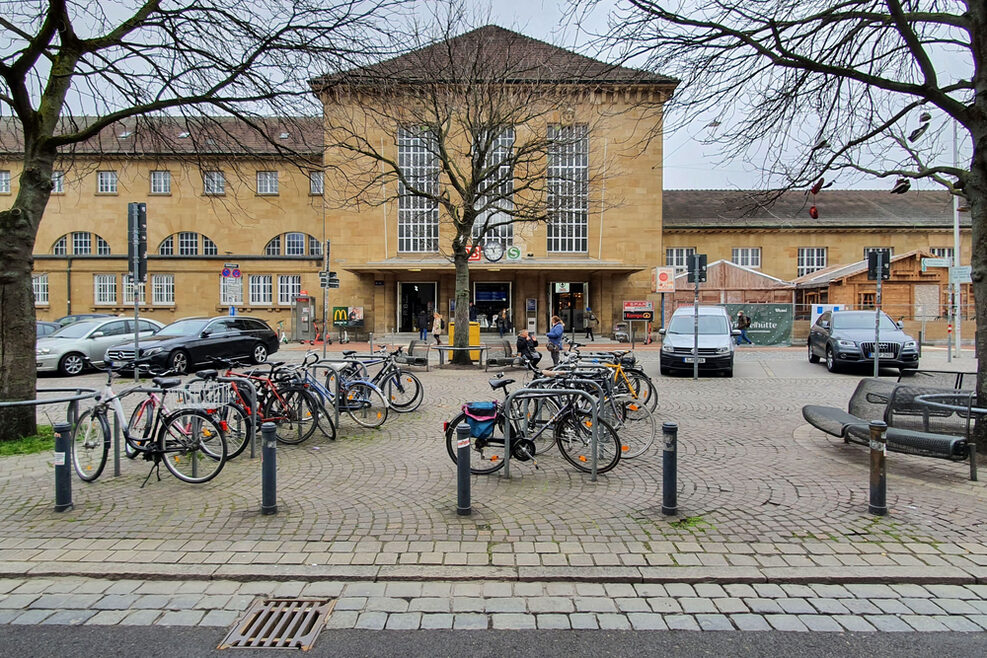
(725,209)
(503,54)
(825,276)
(171,135)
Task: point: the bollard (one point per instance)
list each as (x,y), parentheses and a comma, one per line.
(669,470)
(63,467)
(463,507)
(878,474)
(269,470)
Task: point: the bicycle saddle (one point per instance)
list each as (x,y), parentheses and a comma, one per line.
(500,383)
(207,374)
(349,352)
(166,382)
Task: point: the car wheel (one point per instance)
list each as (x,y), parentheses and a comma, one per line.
(71,364)
(260,353)
(813,358)
(728,373)
(178,361)
(832,364)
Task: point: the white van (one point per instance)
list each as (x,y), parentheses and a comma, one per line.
(716,340)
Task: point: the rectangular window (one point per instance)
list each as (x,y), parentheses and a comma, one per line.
(167,247)
(260,290)
(273,247)
(267,182)
(188,244)
(39,282)
(209,247)
(128,291)
(106,182)
(81,244)
(314,247)
(568,189)
(942,252)
(104,289)
(4,181)
(747,256)
(214,183)
(316,183)
(866,300)
(678,257)
(102,246)
(294,244)
(418,208)
(288,286)
(867,250)
(811,259)
(497,198)
(163,289)
(160,182)
(58,182)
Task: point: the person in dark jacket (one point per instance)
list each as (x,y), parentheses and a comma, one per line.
(526,347)
(422,324)
(474,314)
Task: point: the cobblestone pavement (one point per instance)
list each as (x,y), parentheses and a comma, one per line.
(763,498)
(508,605)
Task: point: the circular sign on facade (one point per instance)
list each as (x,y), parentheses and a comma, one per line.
(236,274)
(226,271)
(513,253)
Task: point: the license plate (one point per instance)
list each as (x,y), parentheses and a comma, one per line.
(695,359)
(883,355)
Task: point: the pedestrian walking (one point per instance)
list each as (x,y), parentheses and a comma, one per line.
(502,322)
(474,314)
(438,324)
(590,321)
(743,323)
(554,336)
(422,324)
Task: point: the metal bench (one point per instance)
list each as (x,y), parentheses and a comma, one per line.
(506,359)
(915,427)
(417,355)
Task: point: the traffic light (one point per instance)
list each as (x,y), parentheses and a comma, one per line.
(697,264)
(872,267)
(137,222)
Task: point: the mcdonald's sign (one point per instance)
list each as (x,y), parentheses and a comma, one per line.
(340,316)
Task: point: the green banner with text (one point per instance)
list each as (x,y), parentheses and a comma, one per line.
(771,324)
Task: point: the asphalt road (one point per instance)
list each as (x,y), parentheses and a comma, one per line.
(172,642)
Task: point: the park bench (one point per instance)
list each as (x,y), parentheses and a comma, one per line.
(417,355)
(915,427)
(504,358)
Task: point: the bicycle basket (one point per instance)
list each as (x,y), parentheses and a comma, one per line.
(482,417)
(628,361)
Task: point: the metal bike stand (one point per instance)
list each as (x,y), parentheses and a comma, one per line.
(596,409)
(253,412)
(533,393)
(335,365)
(116,422)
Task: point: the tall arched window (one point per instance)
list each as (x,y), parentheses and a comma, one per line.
(187,243)
(81,243)
(293,244)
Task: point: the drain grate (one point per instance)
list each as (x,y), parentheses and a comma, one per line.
(280,623)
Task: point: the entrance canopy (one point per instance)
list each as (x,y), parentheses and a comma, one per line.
(523,265)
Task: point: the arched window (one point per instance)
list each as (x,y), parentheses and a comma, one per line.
(293,244)
(187,243)
(81,243)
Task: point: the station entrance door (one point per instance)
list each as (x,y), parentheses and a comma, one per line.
(413,298)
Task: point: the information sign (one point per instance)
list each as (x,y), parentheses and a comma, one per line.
(663,279)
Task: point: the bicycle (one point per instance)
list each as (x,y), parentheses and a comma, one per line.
(571,433)
(403,390)
(363,401)
(189,441)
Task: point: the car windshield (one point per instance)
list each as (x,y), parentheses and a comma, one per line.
(183,328)
(708,324)
(75,330)
(861,321)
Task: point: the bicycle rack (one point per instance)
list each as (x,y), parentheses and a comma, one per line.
(253,405)
(531,393)
(71,412)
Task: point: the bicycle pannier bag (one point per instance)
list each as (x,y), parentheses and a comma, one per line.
(481,416)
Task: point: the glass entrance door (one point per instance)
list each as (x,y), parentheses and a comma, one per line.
(413,299)
(569,302)
(490,299)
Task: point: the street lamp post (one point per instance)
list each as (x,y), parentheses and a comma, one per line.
(957,287)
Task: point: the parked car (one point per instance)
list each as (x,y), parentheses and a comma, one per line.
(190,342)
(66,320)
(47,328)
(67,349)
(716,341)
(845,337)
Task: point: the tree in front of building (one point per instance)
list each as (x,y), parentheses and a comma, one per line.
(69,69)
(814,87)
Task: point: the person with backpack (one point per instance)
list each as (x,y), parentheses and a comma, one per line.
(743,323)
(438,324)
(591,323)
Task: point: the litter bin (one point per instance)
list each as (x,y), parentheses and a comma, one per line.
(474,337)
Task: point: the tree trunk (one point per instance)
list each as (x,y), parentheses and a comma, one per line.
(976,191)
(462,333)
(18,229)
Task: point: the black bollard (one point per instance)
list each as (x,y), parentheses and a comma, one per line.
(63,467)
(269,469)
(669,470)
(463,507)
(878,473)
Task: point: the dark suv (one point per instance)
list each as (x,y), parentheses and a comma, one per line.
(189,342)
(844,337)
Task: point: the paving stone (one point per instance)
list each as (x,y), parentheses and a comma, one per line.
(468,621)
(796,606)
(957,623)
(222,618)
(644,621)
(763,606)
(731,605)
(181,618)
(740,591)
(594,604)
(714,622)
(956,606)
(911,591)
(664,605)
(829,606)
(386,604)
(31,617)
(632,605)
(750,622)
(892,606)
(678,590)
(951,592)
(871,591)
(681,623)
(431,604)
(613,621)
(404,621)
(829,591)
(505,605)
(540,604)
(861,607)
(552,621)
(786,622)
(512,621)
(818,623)
(924,623)
(769,591)
(69,617)
(922,606)
(695,605)
(980,620)
(583,621)
(351,603)
(888,623)
(854,623)
(436,621)
(709,590)
(106,617)
(140,618)
(373,621)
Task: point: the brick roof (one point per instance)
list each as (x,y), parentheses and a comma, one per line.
(164,135)
(725,209)
(505,54)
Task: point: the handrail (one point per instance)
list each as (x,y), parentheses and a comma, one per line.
(71,412)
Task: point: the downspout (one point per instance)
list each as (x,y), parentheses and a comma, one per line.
(68,285)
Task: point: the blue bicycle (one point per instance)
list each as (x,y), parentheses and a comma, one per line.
(363,401)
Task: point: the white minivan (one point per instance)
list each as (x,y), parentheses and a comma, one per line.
(716,341)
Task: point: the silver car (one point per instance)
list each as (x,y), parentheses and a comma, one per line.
(66,349)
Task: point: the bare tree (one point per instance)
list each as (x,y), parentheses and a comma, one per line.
(70,69)
(490,117)
(811,87)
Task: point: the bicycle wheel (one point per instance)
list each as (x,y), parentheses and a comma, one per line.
(539,413)
(634,423)
(404,391)
(574,437)
(235,423)
(90,444)
(640,386)
(194,445)
(486,455)
(326,424)
(365,404)
(295,413)
(140,427)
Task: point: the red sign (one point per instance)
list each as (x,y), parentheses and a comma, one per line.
(475,254)
(639,315)
(638,306)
